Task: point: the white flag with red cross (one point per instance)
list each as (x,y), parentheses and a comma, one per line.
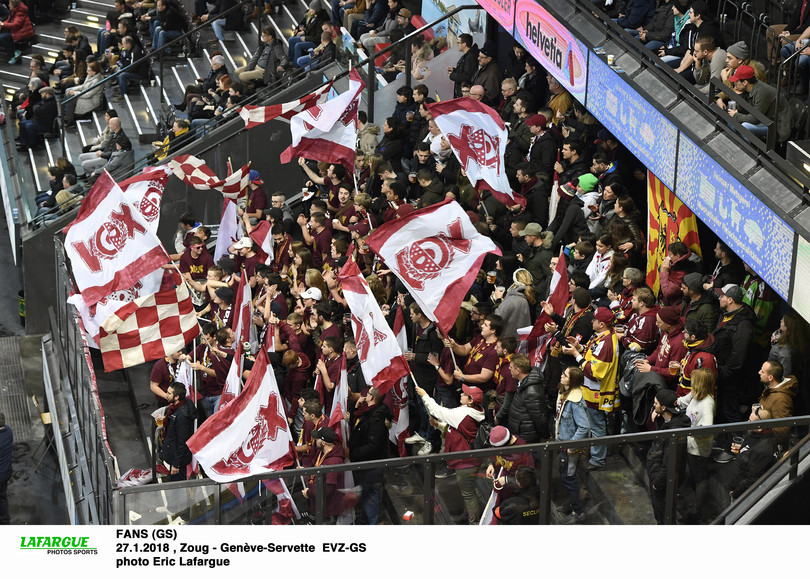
(328,132)
(109,245)
(194,172)
(261,235)
(256,115)
(437,253)
(250,435)
(381,359)
(478,136)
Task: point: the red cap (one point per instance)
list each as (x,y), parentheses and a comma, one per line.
(604,315)
(536,121)
(473,392)
(743,72)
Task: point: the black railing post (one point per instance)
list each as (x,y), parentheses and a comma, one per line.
(320,499)
(372,87)
(546,462)
(428,488)
(672,480)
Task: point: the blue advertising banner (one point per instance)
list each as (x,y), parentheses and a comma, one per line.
(634,121)
(746,224)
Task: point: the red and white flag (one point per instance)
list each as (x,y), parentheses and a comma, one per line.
(399,394)
(536,338)
(242,318)
(437,253)
(340,403)
(95,315)
(148,328)
(264,241)
(194,172)
(328,132)
(477,136)
(286,510)
(145,191)
(381,359)
(109,245)
(233,381)
(255,116)
(250,435)
(230,230)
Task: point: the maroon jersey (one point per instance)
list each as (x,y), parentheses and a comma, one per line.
(197,267)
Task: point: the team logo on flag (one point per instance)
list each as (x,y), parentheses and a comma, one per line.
(427,258)
(268,424)
(478,145)
(150,202)
(109,239)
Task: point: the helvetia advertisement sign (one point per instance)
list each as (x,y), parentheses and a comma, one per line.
(556,49)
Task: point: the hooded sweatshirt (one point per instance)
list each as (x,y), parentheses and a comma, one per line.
(462,426)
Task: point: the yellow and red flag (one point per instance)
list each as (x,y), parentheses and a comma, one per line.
(669,220)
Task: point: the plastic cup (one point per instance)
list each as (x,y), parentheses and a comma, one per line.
(492,276)
(736,444)
(674,367)
(610,59)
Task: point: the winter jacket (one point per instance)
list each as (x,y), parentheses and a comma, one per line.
(543,155)
(375,13)
(269,57)
(568,224)
(662,24)
(538,264)
(671,279)
(778,400)
(45,112)
(662,448)
(19,24)
(89,101)
(178,428)
(636,13)
(369,437)
(733,337)
(524,411)
(423,344)
(120,163)
(706,309)
(763,98)
(465,69)
(489,77)
(514,310)
(757,455)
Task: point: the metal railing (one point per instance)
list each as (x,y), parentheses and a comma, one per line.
(545,460)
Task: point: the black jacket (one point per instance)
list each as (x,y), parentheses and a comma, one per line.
(178,428)
(575,169)
(425,343)
(732,340)
(369,437)
(543,155)
(568,224)
(45,112)
(524,411)
(658,455)
(757,455)
(464,70)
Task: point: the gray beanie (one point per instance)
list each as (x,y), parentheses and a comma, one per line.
(315,5)
(740,50)
(693,281)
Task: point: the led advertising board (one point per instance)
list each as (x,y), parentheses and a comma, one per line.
(635,122)
(740,219)
(503,11)
(554,47)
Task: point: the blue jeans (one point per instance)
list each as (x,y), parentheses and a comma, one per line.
(218,26)
(654,45)
(125,77)
(163,37)
(298,47)
(370,497)
(802,67)
(598,420)
(30,131)
(7,43)
(303,62)
(210,404)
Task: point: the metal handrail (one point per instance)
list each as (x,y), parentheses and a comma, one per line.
(545,451)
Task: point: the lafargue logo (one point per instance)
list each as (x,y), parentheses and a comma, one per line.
(58,545)
(551,44)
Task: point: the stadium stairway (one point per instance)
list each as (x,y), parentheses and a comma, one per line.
(143,113)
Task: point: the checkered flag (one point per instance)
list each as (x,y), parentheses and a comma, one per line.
(193,171)
(148,328)
(255,116)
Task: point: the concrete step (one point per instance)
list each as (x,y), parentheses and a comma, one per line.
(621,497)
